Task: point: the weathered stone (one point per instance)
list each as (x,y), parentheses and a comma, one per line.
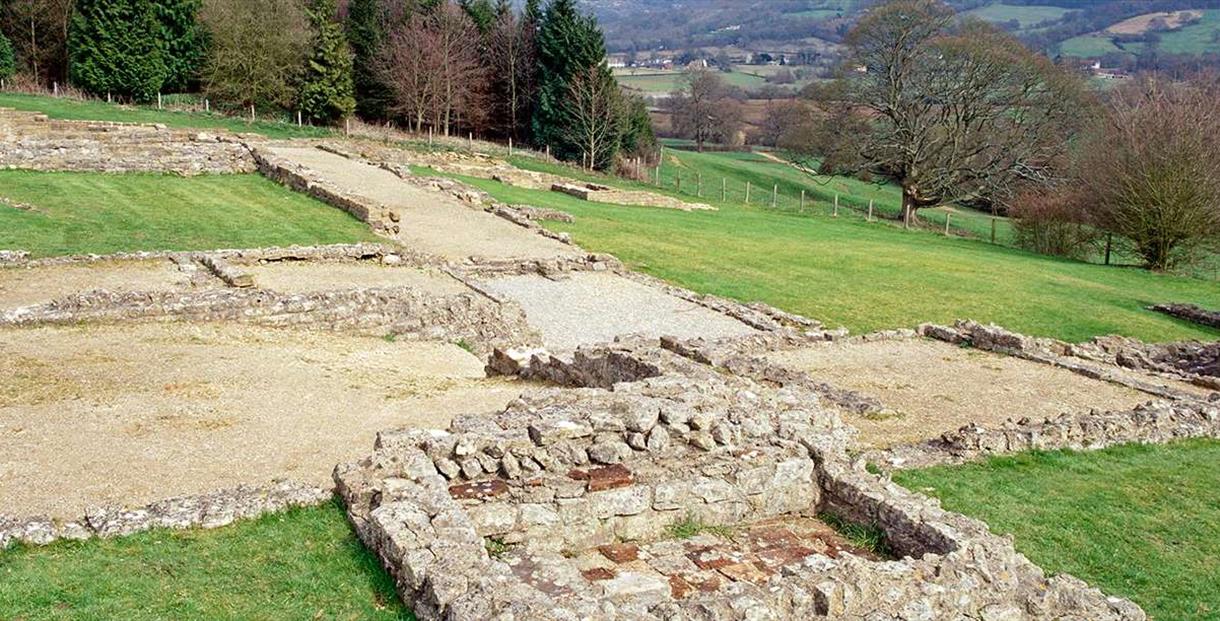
(478,490)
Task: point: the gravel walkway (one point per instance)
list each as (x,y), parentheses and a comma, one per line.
(594,307)
(431,221)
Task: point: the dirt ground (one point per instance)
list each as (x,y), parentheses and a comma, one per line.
(21,286)
(305,277)
(936,387)
(132,414)
(1142,23)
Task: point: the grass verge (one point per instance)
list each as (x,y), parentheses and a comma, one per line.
(1138,521)
(300,564)
(68,109)
(866,277)
(75,213)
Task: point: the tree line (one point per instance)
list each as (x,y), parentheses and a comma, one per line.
(452,67)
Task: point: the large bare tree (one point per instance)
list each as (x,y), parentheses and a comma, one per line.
(1151,169)
(406,66)
(696,107)
(256,51)
(512,61)
(948,109)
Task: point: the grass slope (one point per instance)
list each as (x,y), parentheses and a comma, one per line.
(865,276)
(301,564)
(1026,15)
(77,110)
(76,213)
(1138,521)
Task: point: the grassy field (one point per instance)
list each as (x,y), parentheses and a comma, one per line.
(78,110)
(661,82)
(75,213)
(1196,38)
(1090,46)
(1137,521)
(1026,15)
(869,276)
(302,564)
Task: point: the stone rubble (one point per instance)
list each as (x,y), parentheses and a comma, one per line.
(1190,312)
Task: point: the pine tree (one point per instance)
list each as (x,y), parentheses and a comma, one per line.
(327,93)
(116,46)
(532,14)
(8,60)
(569,44)
(369,24)
(481,12)
(183,42)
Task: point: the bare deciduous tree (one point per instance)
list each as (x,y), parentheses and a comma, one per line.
(38,30)
(696,107)
(432,64)
(257,50)
(948,110)
(1151,170)
(512,61)
(594,108)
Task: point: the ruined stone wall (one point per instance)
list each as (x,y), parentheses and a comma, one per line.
(211,510)
(1190,312)
(566,468)
(34,142)
(403,311)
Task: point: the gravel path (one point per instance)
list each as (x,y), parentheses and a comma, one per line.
(135,413)
(20,286)
(937,387)
(305,277)
(431,221)
(595,307)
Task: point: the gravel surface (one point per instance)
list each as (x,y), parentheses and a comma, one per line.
(23,286)
(594,307)
(306,277)
(431,221)
(935,387)
(134,413)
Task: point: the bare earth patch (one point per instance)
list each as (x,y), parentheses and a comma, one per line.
(1142,23)
(25,286)
(131,414)
(306,277)
(935,387)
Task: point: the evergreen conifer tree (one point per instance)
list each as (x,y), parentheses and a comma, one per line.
(116,46)
(327,93)
(184,41)
(8,60)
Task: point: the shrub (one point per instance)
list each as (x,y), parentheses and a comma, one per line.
(1053,223)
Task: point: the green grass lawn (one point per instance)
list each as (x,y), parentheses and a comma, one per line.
(1196,38)
(1026,15)
(78,110)
(1141,522)
(301,564)
(1090,46)
(866,276)
(77,213)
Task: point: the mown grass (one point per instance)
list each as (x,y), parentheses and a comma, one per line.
(871,276)
(77,213)
(301,564)
(1138,521)
(68,109)
(1026,15)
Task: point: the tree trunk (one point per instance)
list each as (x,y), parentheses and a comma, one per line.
(909,206)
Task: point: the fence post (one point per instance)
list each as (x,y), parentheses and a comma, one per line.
(678,181)
(347,126)
(948,215)
(207,105)
(55,88)
(993,229)
(836,213)
(870,210)
(470,141)
(159,106)
(298,118)
(724,189)
(251,113)
(699,184)
(548,152)
(510,146)
(1109,244)
(774,195)
(429,135)
(747,192)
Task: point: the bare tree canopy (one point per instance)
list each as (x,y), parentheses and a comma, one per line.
(594,109)
(1151,169)
(949,110)
(701,109)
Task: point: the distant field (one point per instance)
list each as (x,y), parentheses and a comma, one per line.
(1026,15)
(79,213)
(1142,23)
(1197,38)
(657,81)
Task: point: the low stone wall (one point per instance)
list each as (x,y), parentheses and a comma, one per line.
(560,470)
(332,252)
(404,311)
(1101,358)
(34,142)
(1190,312)
(210,510)
(382,220)
(1152,423)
